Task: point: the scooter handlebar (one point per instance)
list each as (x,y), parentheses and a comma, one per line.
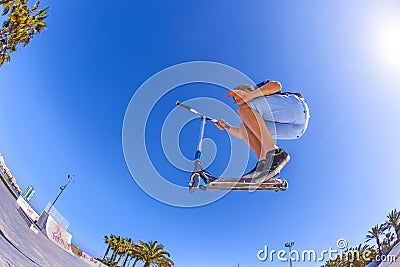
(195,111)
(183,105)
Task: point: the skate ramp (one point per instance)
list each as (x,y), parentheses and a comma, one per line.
(20,246)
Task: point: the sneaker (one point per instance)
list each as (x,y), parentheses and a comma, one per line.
(260,167)
(250,174)
(273,164)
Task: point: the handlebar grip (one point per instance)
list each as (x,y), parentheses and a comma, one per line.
(183,105)
(195,112)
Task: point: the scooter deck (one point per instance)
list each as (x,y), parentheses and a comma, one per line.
(277,184)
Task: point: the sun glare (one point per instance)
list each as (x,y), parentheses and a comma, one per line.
(390,41)
(387,38)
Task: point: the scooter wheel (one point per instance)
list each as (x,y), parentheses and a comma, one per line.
(284,186)
(194,182)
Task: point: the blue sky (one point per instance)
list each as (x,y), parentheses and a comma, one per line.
(64,99)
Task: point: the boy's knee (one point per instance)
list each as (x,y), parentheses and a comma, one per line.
(243,109)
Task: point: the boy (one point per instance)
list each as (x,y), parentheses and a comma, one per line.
(267,114)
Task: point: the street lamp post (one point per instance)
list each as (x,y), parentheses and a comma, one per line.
(62,188)
(43,217)
(290,245)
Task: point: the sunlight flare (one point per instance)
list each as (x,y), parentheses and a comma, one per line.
(387,38)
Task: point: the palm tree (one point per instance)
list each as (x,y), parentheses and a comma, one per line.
(107,240)
(394,222)
(20,27)
(154,254)
(165,262)
(136,253)
(130,247)
(354,257)
(115,243)
(334,263)
(374,234)
(357,257)
(389,237)
(123,248)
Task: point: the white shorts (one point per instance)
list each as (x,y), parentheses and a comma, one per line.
(286,115)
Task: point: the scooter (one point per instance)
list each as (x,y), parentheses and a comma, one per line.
(219,183)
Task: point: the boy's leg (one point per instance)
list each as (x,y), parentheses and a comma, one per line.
(255,145)
(251,140)
(255,123)
(271,158)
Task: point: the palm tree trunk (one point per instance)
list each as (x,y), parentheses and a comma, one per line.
(108,250)
(119,259)
(121,255)
(134,263)
(4,30)
(379,246)
(126,260)
(114,255)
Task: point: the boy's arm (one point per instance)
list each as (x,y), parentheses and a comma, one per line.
(223,125)
(234,131)
(267,89)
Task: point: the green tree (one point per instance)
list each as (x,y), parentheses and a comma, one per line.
(359,256)
(353,257)
(21,25)
(334,263)
(387,242)
(154,254)
(136,253)
(164,262)
(131,246)
(108,241)
(374,234)
(115,245)
(393,221)
(123,248)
